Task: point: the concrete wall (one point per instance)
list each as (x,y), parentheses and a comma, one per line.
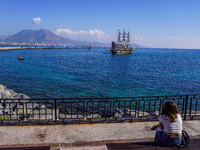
(40,135)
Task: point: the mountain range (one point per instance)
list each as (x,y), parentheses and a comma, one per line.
(46,37)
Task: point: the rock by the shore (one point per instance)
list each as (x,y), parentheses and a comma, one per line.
(6,93)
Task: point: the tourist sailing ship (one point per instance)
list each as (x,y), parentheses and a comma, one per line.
(122,46)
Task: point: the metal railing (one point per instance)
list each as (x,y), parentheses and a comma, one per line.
(93,110)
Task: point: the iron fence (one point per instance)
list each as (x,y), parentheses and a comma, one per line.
(93,110)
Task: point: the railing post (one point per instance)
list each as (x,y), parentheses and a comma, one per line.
(55,108)
(186,103)
(138,109)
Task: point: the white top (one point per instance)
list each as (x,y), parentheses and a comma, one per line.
(175,127)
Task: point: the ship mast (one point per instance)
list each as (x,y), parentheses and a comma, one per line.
(119,38)
(128,39)
(124,38)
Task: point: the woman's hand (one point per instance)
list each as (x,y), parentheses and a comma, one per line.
(161,125)
(155,126)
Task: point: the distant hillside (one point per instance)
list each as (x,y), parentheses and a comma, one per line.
(138,46)
(38,36)
(2,37)
(45,37)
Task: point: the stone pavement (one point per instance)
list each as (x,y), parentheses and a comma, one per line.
(194,145)
(104,147)
(84,137)
(130,144)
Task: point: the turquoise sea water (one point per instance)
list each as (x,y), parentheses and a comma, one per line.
(64,73)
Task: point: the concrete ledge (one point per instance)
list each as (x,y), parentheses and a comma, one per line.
(194,145)
(91,145)
(58,136)
(27,148)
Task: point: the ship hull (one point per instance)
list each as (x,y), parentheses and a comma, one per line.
(123,50)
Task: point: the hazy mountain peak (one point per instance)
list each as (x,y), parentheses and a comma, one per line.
(44,36)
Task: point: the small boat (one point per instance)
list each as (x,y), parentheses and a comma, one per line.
(90,47)
(20,58)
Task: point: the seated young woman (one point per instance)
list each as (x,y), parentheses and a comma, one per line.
(169,129)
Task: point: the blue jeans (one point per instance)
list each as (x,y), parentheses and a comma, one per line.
(166,139)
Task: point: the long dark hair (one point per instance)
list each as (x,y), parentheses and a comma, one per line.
(170,110)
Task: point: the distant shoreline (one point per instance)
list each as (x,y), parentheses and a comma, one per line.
(43,47)
(7,48)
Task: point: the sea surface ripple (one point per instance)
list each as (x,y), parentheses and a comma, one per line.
(78,73)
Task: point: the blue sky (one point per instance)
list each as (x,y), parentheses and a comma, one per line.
(152,23)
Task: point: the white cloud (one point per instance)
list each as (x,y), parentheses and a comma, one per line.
(174,38)
(91,35)
(138,38)
(195,39)
(171,42)
(36,21)
(170,38)
(180,38)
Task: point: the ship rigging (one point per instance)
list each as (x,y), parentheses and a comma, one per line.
(122,46)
